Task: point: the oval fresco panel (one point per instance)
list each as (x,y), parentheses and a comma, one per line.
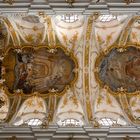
(121,69)
(38,70)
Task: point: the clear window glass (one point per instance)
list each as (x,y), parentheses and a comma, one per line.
(107,18)
(34,122)
(70,123)
(69,18)
(107,122)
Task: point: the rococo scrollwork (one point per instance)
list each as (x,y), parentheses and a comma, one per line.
(73,78)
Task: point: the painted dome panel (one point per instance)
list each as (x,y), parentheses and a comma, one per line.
(121,69)
(38,70)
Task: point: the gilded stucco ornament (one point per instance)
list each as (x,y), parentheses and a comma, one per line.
(46,121)
(95,123)
(121,50)
(18,96)
(96,15)
(86,83)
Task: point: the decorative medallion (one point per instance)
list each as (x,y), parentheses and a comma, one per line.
(120,69)
(41,70)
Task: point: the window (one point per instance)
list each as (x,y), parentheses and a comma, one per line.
(107,122)
(70,123)
(34,122)
(69,18)
(107,18)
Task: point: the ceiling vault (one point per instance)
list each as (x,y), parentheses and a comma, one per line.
(70,62)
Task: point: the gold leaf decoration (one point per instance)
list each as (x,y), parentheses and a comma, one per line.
(74,38)
(29,103)
(133,103)
(75,101)
(29,37)
(40,104)
(108,39)
(65,39)
(99,100)
(65,102)
(99,39)
(108,100)
(39,36)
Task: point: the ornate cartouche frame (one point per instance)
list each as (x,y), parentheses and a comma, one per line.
(70,54)
(101,55)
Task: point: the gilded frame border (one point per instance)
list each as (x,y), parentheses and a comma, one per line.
(101,55)
(70,54)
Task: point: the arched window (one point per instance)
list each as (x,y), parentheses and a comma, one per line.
(70,123)
(33,122)
(69,18)
(107,122)
(107,18)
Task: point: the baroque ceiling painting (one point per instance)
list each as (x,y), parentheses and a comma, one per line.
(70,70)
(38,70)
(121,69)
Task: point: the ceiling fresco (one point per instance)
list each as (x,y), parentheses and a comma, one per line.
(54,70)
(120,69)
(38,70)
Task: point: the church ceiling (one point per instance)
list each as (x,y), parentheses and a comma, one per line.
(85,69)
(85,7)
